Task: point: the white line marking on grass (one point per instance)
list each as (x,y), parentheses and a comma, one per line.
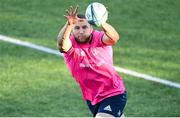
(147,77)
(30,45)
(122,70)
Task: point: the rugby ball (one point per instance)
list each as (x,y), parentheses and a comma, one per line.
(96,14)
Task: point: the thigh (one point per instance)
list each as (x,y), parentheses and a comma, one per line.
(104,115)
(113,105)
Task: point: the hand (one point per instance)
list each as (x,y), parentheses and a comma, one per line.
(72,15)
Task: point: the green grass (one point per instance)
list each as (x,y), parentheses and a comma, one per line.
(38,84)
(35,83)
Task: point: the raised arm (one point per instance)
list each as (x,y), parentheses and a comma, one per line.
(111,35)
(63,41)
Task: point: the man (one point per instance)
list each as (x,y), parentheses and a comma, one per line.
(88,55)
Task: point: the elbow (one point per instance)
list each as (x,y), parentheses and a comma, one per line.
(64,45)
(60,47)
(113,42)
(115,39)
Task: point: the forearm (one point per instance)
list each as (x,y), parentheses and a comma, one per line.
(110,32)
(63,41)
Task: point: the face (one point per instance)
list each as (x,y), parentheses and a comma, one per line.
(82,31)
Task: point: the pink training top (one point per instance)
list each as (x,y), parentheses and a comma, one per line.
(91,65)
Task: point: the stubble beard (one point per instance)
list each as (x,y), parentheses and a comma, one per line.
(83,41)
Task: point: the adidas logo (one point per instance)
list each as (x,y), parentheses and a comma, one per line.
(119,113)
(108,108)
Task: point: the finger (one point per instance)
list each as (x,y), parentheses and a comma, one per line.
(67,11)
(66,16)
(71,10)
(76,9)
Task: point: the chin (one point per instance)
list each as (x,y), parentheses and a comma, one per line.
(82,40)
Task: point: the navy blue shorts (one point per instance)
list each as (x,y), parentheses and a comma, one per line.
(113,105)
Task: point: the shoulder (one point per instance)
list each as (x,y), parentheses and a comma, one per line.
(97,33)
(97,37)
